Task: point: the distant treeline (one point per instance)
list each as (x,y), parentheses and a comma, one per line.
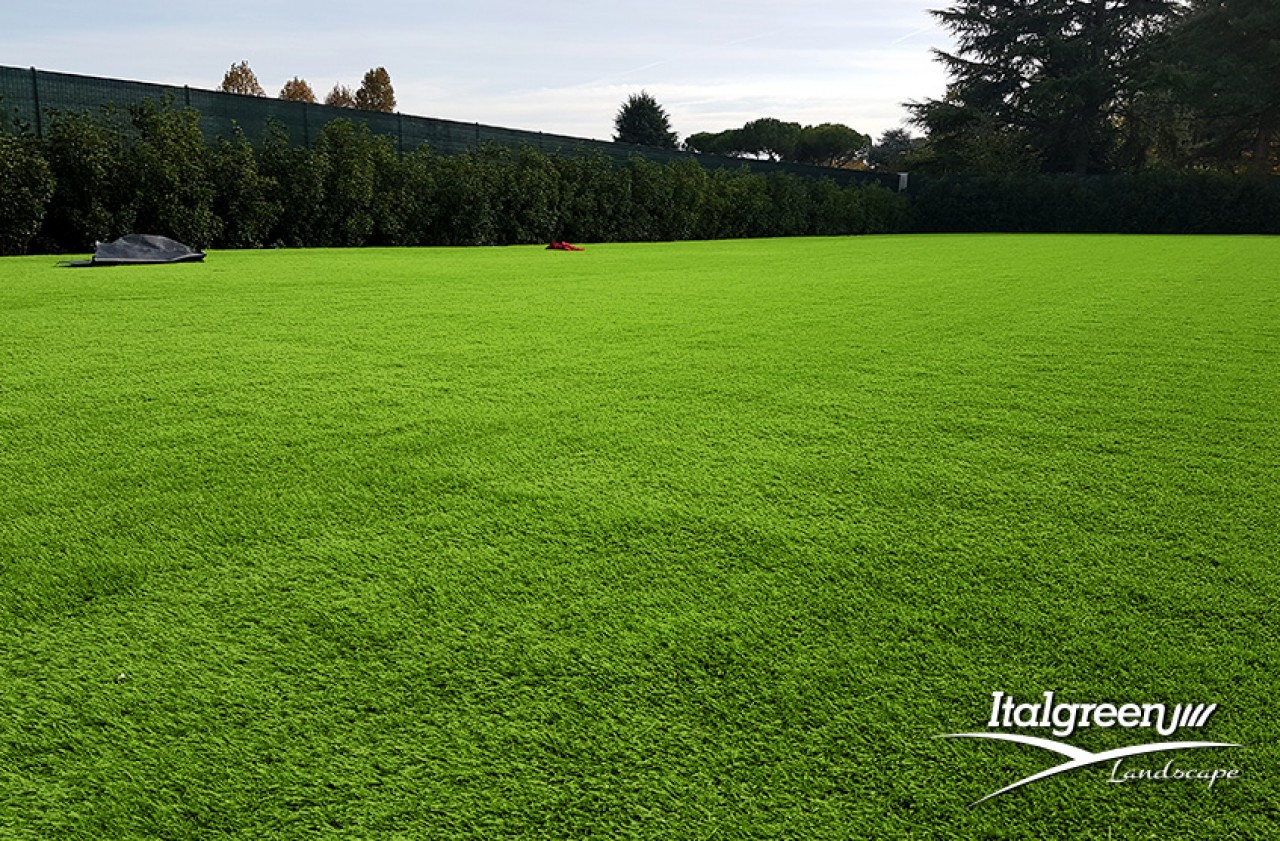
(148,169)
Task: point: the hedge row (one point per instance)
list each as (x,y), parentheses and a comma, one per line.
(148,170)
(1152,202)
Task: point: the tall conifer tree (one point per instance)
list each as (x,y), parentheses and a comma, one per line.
(1041,76)
(641,120)
(1224,63)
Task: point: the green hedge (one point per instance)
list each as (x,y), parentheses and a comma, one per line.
(1155,202)
(147,170)
(26,185)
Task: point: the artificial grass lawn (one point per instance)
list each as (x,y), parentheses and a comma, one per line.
(653,541)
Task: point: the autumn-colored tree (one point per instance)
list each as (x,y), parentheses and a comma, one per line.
(240,79)
(340,97)
(297,90)
(375,92)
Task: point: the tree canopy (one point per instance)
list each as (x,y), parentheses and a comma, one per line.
(828,144)
(893,151)
(376,93)
(240,79)
(772,138)
(642,121)
(730,143)
(297,90)
(1223,63)
(340,97)
(1048,77)
(831,144)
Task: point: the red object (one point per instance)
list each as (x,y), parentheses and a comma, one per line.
(563,246)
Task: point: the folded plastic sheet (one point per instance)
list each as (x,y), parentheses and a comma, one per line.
(138,250)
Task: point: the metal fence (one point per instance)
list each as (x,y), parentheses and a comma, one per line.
(29,97)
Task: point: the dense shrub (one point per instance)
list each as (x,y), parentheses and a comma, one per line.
(738,204)
(296,178)
(651,201)
(880,210)
(595,196)
(171,175)
(689,188)
(407,212)
(1154,202)
(835,212)
(93,200)
(526,194)
(243,201)
(26,185)
(355,158)
(464,200)
(789,206)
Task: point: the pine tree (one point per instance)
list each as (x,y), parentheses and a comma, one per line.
(830,144)
(1223,61)
(1047,74)
(773,138)
(642,121)
(890,153)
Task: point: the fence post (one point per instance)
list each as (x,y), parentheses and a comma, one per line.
(186,95)
(35,99)
(400,129)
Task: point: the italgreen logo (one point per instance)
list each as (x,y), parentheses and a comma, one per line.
(1065,719)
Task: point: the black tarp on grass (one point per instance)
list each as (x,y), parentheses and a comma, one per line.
(139,249)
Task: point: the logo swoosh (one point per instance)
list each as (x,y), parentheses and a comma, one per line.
(1077,757)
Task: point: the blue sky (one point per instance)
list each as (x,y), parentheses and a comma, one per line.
(560,67)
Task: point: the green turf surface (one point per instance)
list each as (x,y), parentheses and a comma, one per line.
(671,541)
